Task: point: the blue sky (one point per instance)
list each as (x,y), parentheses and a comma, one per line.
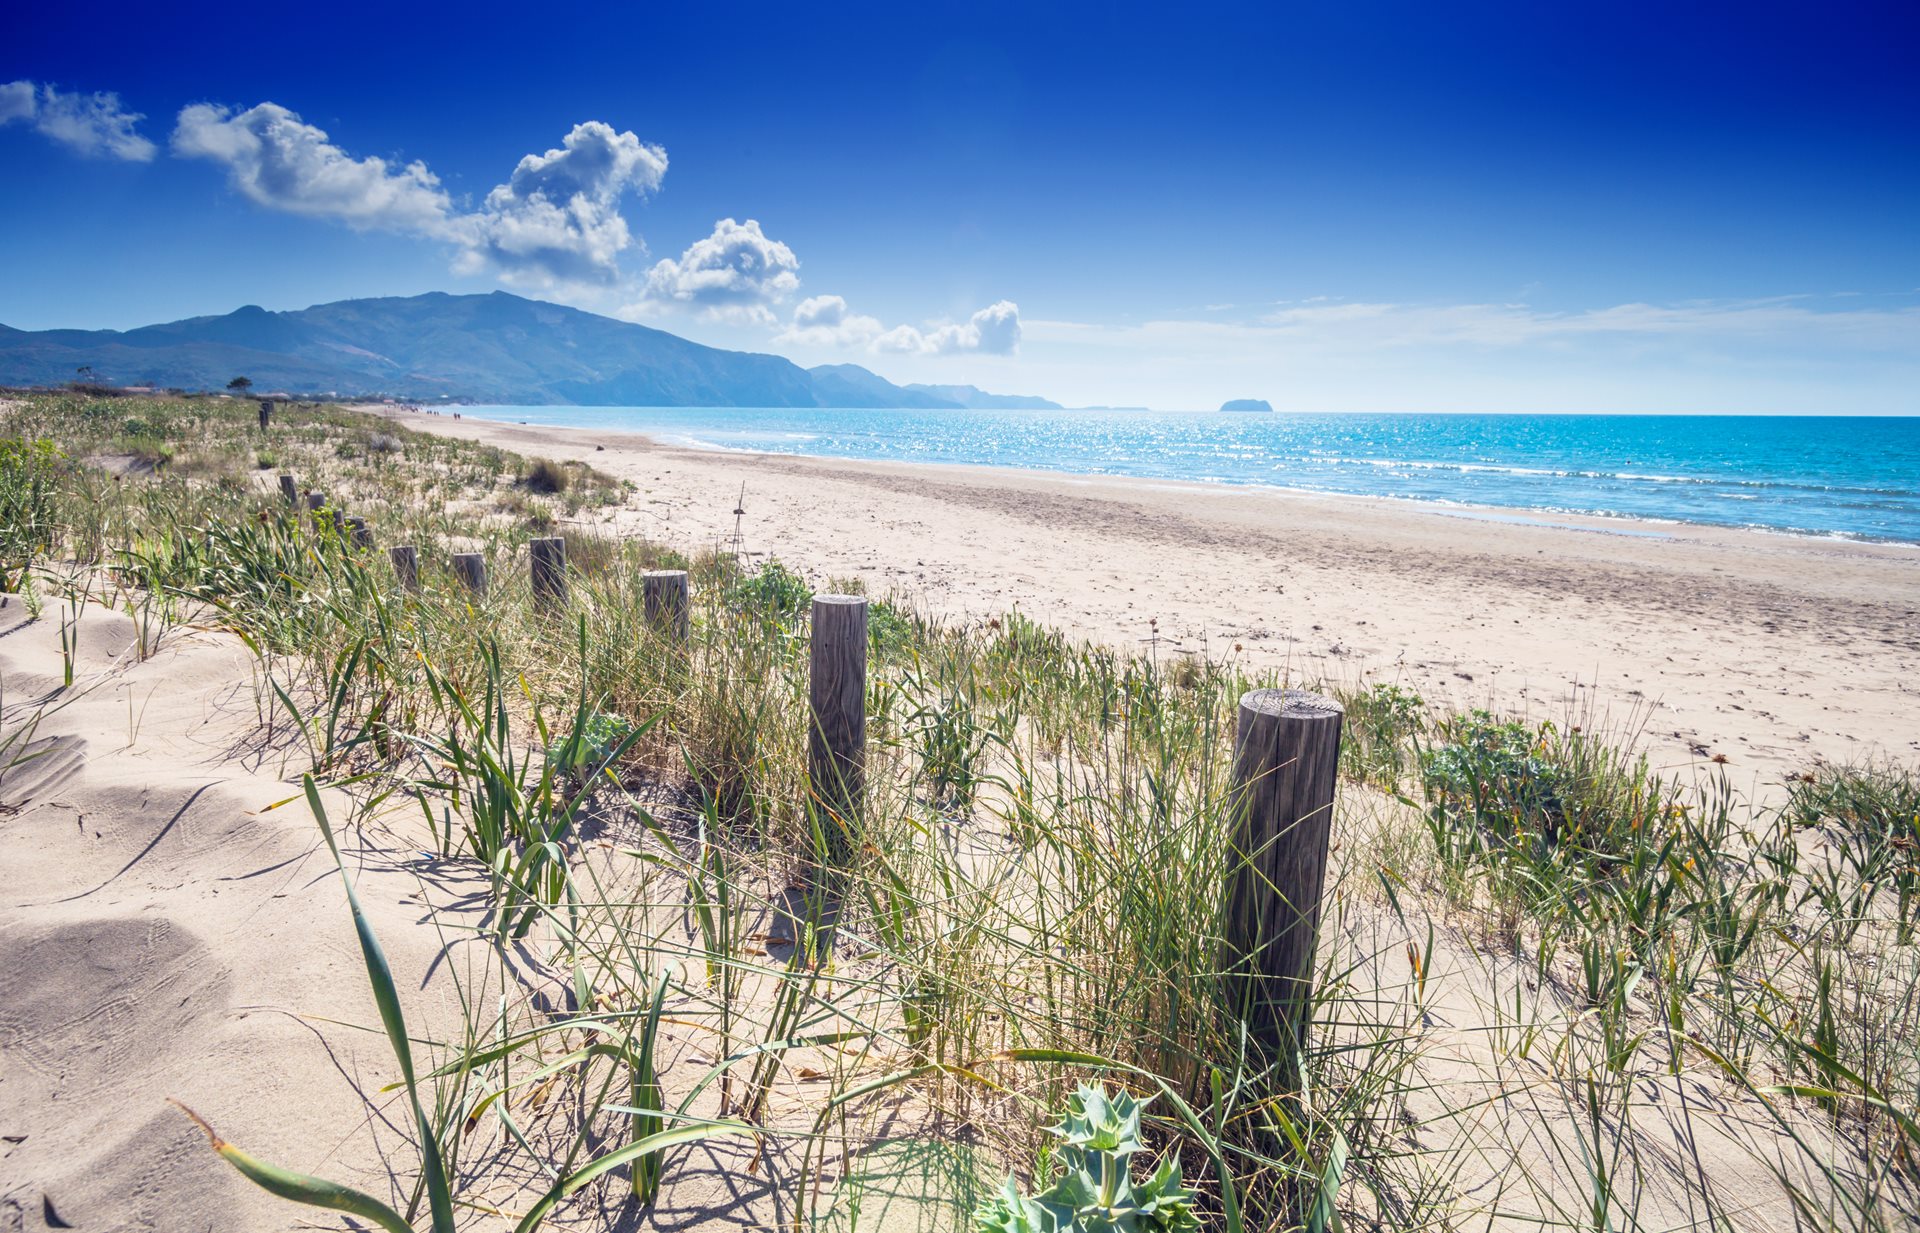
(1362,206)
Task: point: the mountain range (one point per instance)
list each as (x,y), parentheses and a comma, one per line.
(496,348)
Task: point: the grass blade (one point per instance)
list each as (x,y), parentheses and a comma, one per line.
(380,975)
(300,1187)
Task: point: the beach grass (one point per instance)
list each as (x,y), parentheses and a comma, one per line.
(1555,986)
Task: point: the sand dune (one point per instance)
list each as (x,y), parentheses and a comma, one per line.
(163,933)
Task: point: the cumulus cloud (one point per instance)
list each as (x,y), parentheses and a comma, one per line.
(736,273)
(557,220)
(826,321)
(994,330)
(278,160)
(92,124)
(17,101)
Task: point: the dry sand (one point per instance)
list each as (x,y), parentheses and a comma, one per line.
(1772,651)
(164,933)
(172,926)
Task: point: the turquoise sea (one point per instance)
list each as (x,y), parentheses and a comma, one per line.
(1836,476)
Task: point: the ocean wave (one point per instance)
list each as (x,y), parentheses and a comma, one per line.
(1713,481)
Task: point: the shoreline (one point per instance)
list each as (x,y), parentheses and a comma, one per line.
(1772,650)
(1621,524)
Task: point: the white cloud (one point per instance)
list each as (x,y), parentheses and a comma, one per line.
(994,330)
(278,160)
(826,321)
(92,124)
(17,101)
(737,274)
(557,220)
(1380,325)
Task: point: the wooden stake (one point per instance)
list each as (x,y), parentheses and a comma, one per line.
(406,565)
(266,413)
(664,594)
(837,736)
(362,533)
(548,560)
(471,569)
(289,489)
(1285,761)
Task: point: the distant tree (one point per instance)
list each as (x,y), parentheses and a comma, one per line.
(240,385)
(84,372)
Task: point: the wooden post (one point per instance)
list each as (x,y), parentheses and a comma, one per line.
(1286,757)
(289,489)
(547,559)
(406,565)
(362,534)
(315,500)
(663,593)
(837,733)
(266,413)
(471,569)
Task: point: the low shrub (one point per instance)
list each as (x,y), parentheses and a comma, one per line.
(546,476)
(772,590)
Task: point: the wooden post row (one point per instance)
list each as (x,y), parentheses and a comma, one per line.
(1285,761)
(406,565)
(547,559)
(663,594)
(837,733)
(471,569)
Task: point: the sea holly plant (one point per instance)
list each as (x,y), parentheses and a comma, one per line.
(1095,1191)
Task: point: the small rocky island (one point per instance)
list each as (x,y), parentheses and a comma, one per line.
(1246,404)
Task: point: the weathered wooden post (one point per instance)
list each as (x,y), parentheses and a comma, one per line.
(289,489)
(663,593)
(1286,756)
(266,413)
(471,569)
(547,559)
(361,533)
(315,500)
(406,565)
(837,704)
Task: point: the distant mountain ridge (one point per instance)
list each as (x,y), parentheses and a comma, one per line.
(978,399)
(496,348)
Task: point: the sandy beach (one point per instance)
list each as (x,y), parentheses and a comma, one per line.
(1772,652)
(178,928)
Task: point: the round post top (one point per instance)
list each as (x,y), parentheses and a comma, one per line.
(1291,704)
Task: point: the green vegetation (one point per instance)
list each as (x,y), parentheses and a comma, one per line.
(1096,1190)
(1531,940)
